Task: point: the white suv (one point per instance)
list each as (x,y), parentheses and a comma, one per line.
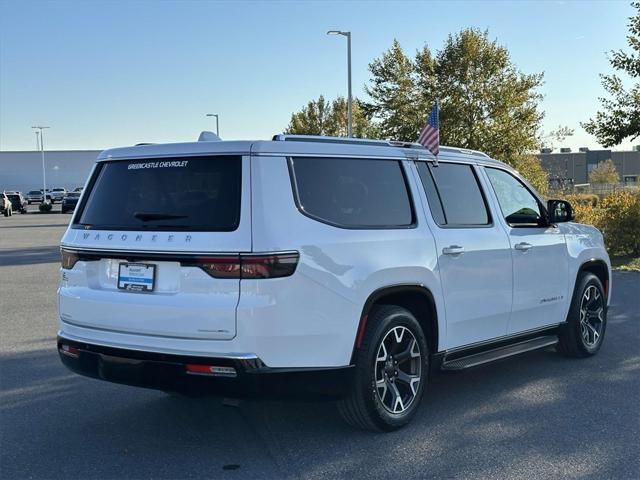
(337,268)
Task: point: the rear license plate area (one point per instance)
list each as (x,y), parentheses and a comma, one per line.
(136,277)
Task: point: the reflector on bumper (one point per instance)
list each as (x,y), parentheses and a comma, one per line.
(210,370)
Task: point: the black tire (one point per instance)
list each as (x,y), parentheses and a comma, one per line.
(572,341)
(363,407)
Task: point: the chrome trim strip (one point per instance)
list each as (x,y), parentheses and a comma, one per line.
(177,252)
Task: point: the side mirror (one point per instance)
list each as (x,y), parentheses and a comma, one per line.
(559,211)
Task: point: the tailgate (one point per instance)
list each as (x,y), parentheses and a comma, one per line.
(145,226)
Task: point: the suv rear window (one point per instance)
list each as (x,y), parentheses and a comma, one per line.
(181,194)
(352,193)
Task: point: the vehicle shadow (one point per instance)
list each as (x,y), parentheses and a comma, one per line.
(539,415)
(29,256)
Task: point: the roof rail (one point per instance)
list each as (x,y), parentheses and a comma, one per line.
(344,140)
(370,142)
(466,151)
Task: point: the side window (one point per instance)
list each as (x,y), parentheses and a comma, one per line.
(454,195)
(352,193)
(435,205)
(519,207)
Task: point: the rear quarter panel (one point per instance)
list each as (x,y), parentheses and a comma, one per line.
(312,317)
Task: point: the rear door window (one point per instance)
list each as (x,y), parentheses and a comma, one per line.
(353,193)
(191,194)
(454,195)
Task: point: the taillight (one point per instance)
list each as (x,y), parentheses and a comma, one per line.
(219,267)
(69,258)
(272,265)
(269,266)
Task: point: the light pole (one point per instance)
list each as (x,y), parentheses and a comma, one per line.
(349,98)
(39,130)
(217,126)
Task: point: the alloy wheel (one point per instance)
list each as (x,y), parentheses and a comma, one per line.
(591,315)
(398,369)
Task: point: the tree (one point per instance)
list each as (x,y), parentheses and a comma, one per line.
(320,117)
(558,135)
(312,119)
(529,167)
(486,103)
(393,95)
(604,172)
(620,117)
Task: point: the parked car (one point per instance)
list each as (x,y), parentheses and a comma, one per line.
(57,194)
(18,202)
(6,208)
(78,189)
(70,201)
(331,267)
(34,196)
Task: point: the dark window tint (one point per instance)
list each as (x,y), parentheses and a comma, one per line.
(432,193)
(352,192)
(462,200)
(201,193)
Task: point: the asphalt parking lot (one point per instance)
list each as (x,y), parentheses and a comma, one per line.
(538,416)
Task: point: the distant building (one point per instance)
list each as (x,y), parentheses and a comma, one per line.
(575,167)
(22,171)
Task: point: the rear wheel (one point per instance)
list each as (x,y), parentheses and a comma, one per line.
(583,334)
(391,371)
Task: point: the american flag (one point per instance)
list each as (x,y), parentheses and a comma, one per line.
(430,135)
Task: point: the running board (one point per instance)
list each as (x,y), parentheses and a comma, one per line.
(473,360)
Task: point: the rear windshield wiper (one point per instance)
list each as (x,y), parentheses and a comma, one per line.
(144,216)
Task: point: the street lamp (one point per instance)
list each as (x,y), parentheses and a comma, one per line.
(349,98)
(39,130)
(217,127)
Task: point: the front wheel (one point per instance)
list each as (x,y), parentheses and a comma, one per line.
(391,371)
(583,334)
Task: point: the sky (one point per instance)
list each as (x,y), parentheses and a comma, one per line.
(105,74)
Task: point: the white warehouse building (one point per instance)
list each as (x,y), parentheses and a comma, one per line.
(22,170)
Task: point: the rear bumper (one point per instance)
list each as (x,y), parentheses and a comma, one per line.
(169,372)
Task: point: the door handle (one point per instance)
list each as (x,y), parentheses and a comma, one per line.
(523,246)
(453,250)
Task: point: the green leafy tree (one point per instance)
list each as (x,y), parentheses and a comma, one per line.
(529,167)
(393,95)
(313,119)
(620,115)
(604,172)
(486,103)
(320,117)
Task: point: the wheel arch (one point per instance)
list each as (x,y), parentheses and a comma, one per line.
(416,298)
(600,269)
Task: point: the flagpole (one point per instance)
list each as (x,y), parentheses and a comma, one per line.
(435,164)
